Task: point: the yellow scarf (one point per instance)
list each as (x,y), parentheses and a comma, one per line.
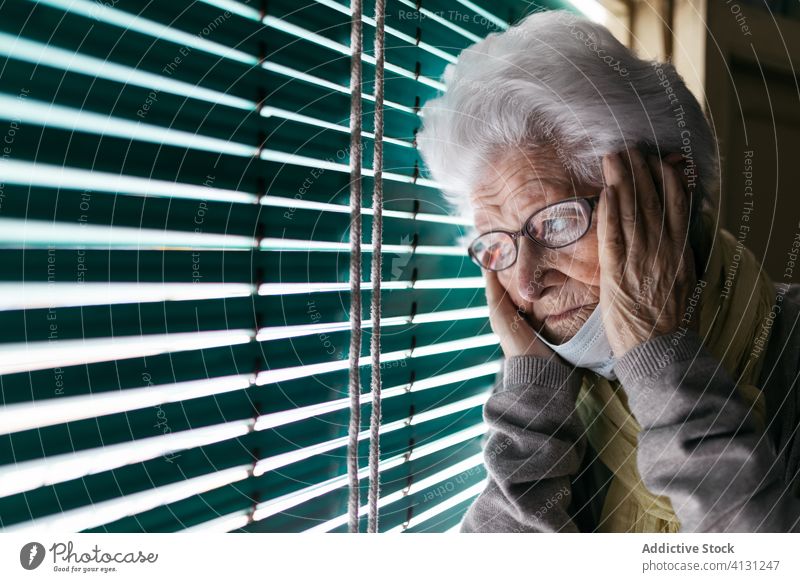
(730,324)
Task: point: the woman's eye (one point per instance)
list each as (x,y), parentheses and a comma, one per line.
(555,225)
(497,250)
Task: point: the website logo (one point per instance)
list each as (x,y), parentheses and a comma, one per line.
(31,555)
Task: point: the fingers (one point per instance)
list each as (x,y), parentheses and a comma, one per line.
(658,177)
(677,205)
(492,297)
(645,188)
(624,207)
(674,194)
(517,337)
(497,298)
(616,175)
(609,229)
(663,227)
(494,301)
(677,161)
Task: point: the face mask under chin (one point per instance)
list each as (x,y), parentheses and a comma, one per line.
(588,347)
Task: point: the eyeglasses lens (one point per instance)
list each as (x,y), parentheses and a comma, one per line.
(559,225)
(494,250)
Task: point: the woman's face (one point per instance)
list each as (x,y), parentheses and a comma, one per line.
(543,282)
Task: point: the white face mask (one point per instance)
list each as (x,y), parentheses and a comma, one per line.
(589,347)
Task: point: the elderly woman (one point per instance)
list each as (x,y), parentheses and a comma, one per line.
(650,374)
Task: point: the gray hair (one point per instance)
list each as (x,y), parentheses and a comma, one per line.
(558,80)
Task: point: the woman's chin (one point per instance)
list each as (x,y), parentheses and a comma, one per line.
(561,329)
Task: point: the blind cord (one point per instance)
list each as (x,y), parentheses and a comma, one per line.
(355,269)
(377,237)
(355,266)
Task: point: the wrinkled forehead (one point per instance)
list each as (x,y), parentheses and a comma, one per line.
(514,182)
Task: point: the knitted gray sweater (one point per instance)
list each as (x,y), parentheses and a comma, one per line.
(699,443)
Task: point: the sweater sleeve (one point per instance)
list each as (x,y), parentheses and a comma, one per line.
(535,442)
(700,444)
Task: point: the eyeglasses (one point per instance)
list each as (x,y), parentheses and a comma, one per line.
(554,226)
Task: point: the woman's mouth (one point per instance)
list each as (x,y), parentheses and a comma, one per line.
(565,315)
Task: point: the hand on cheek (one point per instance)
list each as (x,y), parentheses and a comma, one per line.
(646,263)
(517,337)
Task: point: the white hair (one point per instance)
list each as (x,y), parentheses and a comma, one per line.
(556,79)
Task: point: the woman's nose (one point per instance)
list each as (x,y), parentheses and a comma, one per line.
(532,263)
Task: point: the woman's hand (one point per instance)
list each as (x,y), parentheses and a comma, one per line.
(646,262)
(517,337)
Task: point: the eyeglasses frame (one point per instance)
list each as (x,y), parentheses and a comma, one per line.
(590,200)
